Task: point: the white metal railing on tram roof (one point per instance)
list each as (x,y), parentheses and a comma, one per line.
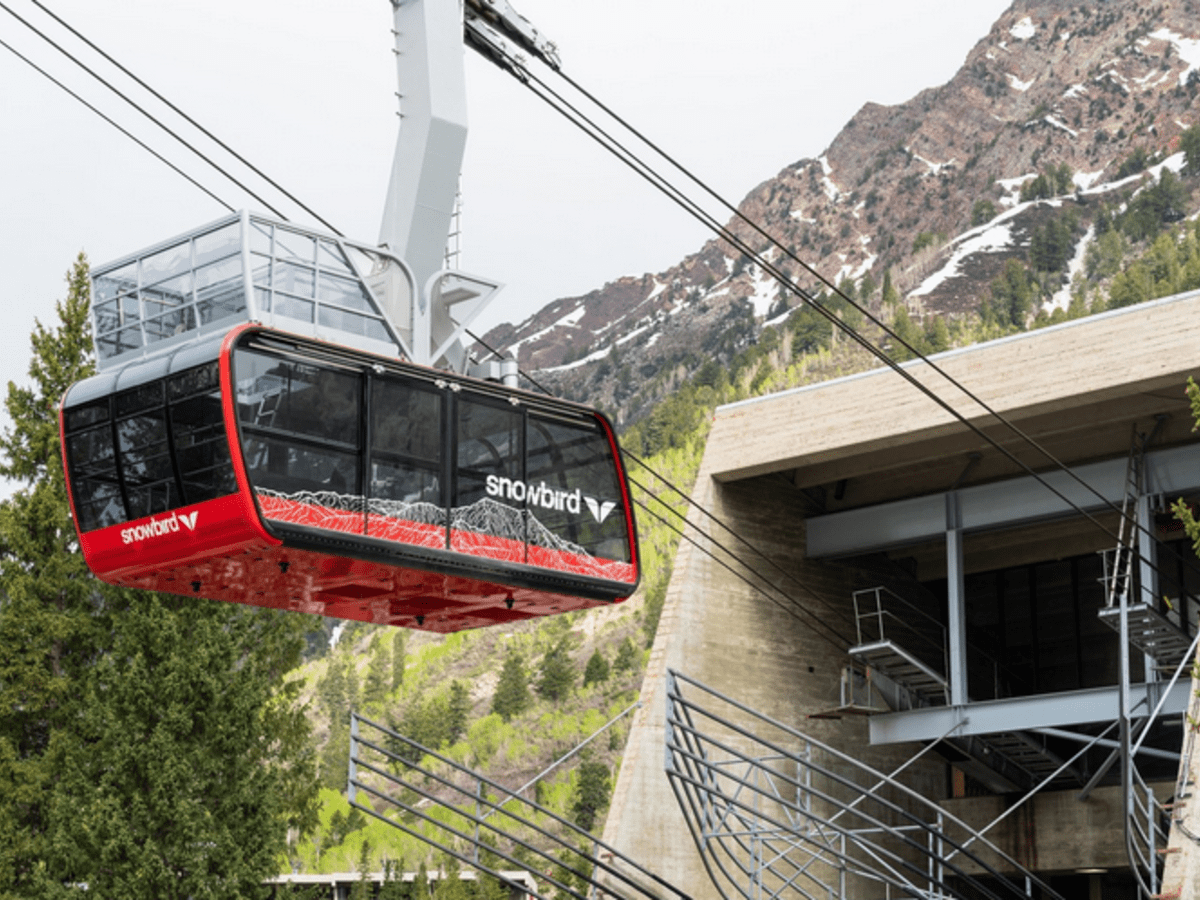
(243,268)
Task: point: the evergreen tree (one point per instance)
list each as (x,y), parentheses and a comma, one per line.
(399,658)
(1189,143)
(983,211)
(179,783)
(626,659)
(393,887)
(596,670)
(557,672)
(889,295)
(867,287)
(1013,294)
(591,793)
(378,679)
(420,888)
(450,885)
(364,887)
(512,691)
(909,332)
(146,746)
(336,692)
(52,623)
(488,887)
(457,712)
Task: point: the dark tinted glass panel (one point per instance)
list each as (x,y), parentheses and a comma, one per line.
(146,463)
(94,484)
(490,488)
(575,499)
(489,454)
(406,420)
(84,416)
(303,472)
(201,449)
(406,444)
(144,397)
(1057,627)
(305,400)
(407,487)
(200,380)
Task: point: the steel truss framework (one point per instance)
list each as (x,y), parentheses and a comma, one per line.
(775,813)
(463,814)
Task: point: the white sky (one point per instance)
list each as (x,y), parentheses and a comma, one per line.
(304,89)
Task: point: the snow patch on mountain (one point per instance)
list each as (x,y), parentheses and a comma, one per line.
(991,238)
(1187,48)
(1024,29)
(765,290)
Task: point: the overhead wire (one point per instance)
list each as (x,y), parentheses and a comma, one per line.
(863,310)
(139,108)
(796,610)
(590,127)
(586,124)
(816,621)
(187,118)
(841,641)
(741,539)
(113,123)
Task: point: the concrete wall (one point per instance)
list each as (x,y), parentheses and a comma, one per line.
(718,630)
(1054,831)
(1077,388)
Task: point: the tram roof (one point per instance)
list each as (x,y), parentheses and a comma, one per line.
(247,267)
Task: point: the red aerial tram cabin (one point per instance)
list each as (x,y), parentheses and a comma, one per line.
(245,440)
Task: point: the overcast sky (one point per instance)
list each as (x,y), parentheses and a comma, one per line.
(305,90)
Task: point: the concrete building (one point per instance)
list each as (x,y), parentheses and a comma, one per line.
(938,589)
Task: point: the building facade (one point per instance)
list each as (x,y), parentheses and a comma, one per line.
(944,596)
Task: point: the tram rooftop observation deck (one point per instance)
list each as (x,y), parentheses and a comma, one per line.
(248,267)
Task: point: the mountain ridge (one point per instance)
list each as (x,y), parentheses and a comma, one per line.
(899,192)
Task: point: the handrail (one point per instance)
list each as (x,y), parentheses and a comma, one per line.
(880,848)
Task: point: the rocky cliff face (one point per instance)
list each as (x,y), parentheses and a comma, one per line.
(929,191)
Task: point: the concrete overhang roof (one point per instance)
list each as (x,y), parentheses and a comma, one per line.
(1075,388)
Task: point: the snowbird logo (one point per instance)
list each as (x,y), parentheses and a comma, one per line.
(599,510)
(158,527)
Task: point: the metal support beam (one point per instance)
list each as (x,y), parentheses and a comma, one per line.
(433,133)
(956,589)
(1002,503)
(1147,569)
(1025,713)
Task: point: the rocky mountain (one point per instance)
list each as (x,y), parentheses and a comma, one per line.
(936,193)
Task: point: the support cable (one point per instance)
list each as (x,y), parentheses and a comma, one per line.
(793,608)
(739,538)
(732,555)
(4,6)
(588,126)
(863,310)
(120,128)
(187,118)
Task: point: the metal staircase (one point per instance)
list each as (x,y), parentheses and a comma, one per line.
(1147,628)
(1144,626)
(902,643)
(1030,754)
(898,641)
(1150,632)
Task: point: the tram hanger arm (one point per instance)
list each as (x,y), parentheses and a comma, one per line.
(501,17)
